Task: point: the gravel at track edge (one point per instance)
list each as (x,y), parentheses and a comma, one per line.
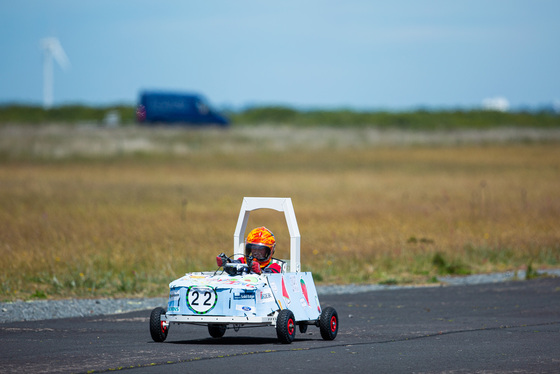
(50,309)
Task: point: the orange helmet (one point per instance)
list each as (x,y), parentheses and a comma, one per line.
(260,244)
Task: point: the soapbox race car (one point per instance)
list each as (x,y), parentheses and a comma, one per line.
(233,297)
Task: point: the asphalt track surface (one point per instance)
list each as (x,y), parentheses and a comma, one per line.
(491,328)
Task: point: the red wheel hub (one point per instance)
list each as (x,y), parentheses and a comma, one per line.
(333,323)
(164,326)
(291,326)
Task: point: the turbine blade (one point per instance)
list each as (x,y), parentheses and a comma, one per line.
(52,45)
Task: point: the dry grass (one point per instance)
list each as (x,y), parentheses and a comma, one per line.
(112,226)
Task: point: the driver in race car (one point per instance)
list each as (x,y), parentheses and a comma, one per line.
(260,244)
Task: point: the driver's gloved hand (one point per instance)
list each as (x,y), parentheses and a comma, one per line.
(221,259)
(256,267)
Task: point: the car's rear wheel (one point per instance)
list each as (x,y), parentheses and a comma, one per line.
(328,323)
(217,330)
(286,326)
(158,328)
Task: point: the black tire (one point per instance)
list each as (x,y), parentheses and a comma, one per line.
(217,330)
(286,326)
(328,323)
(158,329)
(303,328)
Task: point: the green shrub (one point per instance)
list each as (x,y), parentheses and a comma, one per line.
(416,120)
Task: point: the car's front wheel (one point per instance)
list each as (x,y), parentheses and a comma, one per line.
(158,328)
(286,326)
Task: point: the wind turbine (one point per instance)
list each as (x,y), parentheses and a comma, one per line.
(52,50)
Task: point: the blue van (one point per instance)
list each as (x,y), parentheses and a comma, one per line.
(177,108)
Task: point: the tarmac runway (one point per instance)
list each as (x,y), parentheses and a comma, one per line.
(488,328)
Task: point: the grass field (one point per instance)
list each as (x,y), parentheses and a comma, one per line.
(90,212)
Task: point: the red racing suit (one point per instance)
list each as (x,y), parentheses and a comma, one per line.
(272,267)
(256,267)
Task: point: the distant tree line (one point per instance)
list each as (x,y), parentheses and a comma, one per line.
(416,119)
(72,114)
(279,115)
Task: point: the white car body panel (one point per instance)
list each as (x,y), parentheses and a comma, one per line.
(250,298)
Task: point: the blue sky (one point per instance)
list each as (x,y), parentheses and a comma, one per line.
(357,54)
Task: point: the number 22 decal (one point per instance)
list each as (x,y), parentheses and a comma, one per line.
(207,294)
(201,299)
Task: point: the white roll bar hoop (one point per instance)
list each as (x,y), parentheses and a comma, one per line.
(281,204)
